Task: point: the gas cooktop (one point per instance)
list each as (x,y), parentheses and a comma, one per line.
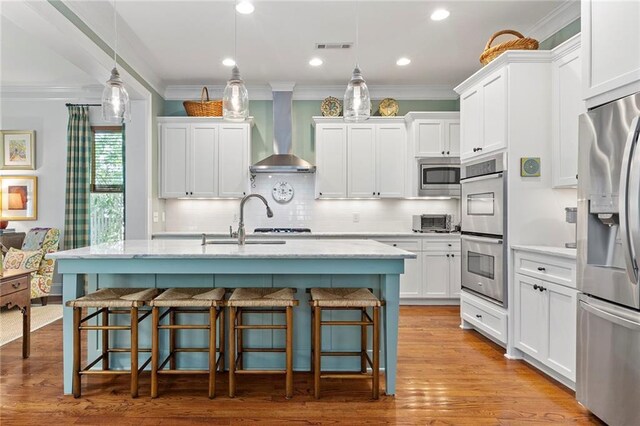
(282,230)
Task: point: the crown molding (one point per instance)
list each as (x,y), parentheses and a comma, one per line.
(556,20)
(567,47)
(51,93)
(317,92)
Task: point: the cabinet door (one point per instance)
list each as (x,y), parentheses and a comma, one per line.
(430,138)
(567,105)
(361,160)
(233,160)
(530,316)
(471,122)
(611,42)
(173,152)
(494,112)
(455,272)
(391,160)
(452,128)
(562,305)
(435,275)
(411,280)
(331,161)
(203,174)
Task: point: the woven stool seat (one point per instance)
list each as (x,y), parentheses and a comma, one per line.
(262,297)
(115,298)
(343,298)
(190,297)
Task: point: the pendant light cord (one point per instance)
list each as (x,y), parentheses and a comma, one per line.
(115,35)
(235,34)
(357,32)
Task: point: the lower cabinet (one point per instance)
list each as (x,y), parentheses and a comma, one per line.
(411,280)
(441,274)
(545,323)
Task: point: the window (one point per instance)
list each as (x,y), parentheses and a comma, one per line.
(107,185)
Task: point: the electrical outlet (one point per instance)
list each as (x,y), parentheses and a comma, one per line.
(155,217)
(356,217)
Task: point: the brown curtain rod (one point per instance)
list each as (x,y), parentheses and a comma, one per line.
(88,105)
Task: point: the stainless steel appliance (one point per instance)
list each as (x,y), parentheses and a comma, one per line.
(432,223)
(439,177)
(608,352)
(484,217)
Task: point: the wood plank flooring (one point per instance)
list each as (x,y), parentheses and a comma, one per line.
(446,376)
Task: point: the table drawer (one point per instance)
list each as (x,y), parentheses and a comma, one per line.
(558,270)
(408,245)
(491,320)
(11,286)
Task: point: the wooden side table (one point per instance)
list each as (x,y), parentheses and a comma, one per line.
(15,290)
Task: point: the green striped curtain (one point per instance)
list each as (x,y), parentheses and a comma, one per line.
(77,215)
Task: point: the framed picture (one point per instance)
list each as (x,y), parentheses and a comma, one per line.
(19,197)
(18,150)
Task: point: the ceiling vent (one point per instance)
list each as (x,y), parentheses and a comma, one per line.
(324,46)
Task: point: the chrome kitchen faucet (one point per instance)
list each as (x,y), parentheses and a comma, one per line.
(241,234)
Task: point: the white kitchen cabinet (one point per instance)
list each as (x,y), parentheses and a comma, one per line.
(411,280)
(530,316)
(455,275)
(610,50)
(438,136)
(203,158)
(436,274)
(361,163)
(331,160)
(452,128)
(391,160)
(470,122)
(566,107)
(429,136)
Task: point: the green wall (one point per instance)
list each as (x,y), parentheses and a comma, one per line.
(303,112)
(561,36)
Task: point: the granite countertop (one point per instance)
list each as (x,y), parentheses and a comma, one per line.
(550,250)
(356,234)
(192,249)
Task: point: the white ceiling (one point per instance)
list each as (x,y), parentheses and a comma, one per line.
(184,42)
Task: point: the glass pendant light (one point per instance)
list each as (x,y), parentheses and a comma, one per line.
(235,100)
(116,107)
(357,101)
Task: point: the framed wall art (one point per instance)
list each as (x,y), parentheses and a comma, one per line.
(19,197)
(18,150)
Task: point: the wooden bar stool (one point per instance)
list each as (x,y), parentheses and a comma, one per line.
(359,299)
(260,301)
(188,301)
(126,301)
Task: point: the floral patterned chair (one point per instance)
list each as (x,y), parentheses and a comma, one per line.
(47,240)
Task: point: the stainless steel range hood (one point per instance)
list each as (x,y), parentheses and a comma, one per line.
(283,160)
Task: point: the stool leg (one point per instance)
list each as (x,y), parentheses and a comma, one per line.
(232,351)
(172,340)
(363,342)
(289,352)
(77,314)
(212,351)
(105,339)
(221,345)
(311,362)
(154,352)
(240,345)
(376,352)
(134,352)
(317,344)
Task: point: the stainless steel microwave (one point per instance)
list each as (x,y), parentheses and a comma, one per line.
(439,177)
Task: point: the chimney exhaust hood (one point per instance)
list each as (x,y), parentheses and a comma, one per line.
(282,160)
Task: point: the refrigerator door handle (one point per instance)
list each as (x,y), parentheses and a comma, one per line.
(629,214)
(610,316)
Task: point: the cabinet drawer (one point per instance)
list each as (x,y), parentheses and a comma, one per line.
(14,285)
(442,245)
(549,268)
(484,317)
(408,245)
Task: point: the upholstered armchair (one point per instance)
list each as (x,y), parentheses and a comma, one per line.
(47,240)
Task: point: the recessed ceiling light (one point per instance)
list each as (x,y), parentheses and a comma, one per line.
(245,7)
(228,62)
(315,62)
(440,14)
(403,61)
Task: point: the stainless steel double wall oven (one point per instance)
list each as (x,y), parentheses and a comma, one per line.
(484,246)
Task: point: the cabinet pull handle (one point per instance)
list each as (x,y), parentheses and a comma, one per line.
(478,316)
(453,255)
(395,245)
(541,269)
(320,193)
(447,152)
(447,255)
(378,194)
(535,286)
(442,152)
(543,288)
(475,149)
(449,244)
(15,285)
(479,149)
(374,192)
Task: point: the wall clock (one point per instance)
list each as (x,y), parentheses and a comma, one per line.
(282,192)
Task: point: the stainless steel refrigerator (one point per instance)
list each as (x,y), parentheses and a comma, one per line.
(608,353)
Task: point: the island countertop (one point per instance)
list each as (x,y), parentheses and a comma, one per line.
(292,249)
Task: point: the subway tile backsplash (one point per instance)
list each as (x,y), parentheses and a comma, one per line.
(302,211)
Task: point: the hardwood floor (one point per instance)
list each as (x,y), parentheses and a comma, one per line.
(445,376)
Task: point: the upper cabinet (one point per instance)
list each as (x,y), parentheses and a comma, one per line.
(203,158)
(360,160)
(566,107)
(610,50)
(434,134)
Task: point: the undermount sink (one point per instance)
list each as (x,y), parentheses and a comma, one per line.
(247,242)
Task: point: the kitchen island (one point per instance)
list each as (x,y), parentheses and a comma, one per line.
(300,264)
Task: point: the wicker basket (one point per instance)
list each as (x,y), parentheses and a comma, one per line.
(521,43)
(204,107)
